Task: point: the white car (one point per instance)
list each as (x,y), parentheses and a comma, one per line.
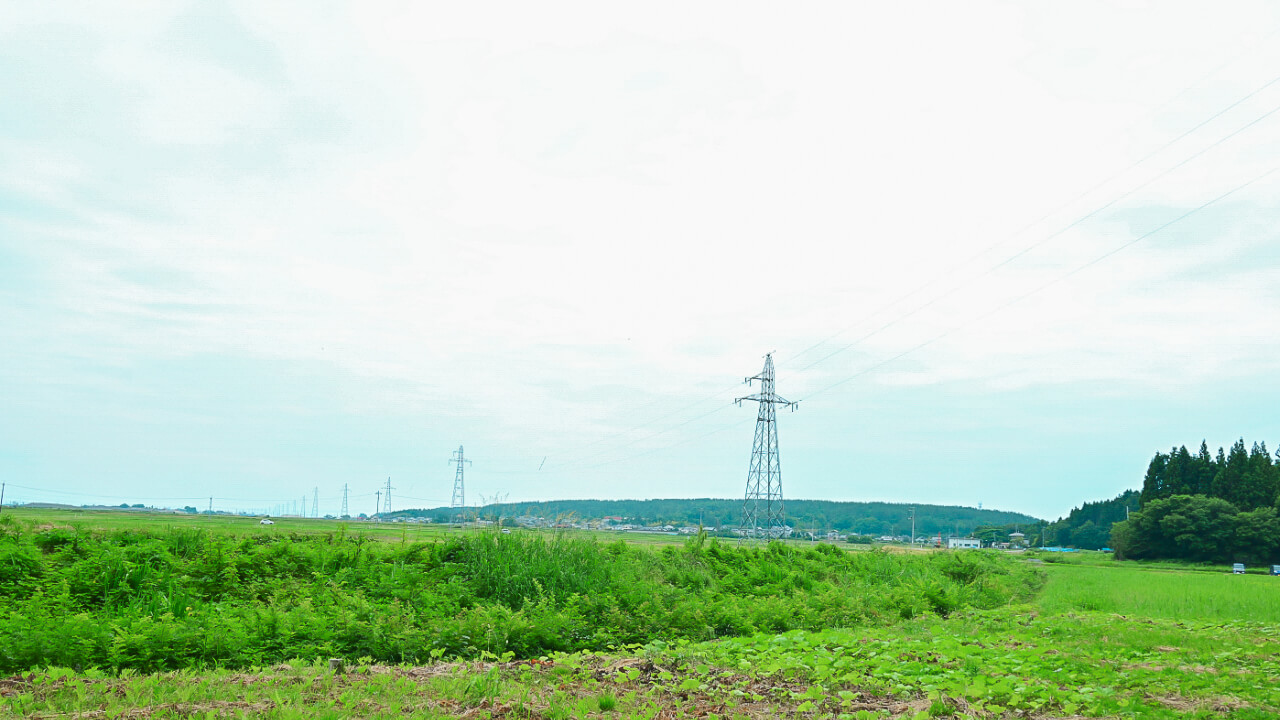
(266,521)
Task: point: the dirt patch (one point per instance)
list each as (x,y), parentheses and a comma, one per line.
(659,690)
(227,709)
(1220,704)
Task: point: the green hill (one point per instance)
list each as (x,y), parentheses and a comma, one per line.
(867,518)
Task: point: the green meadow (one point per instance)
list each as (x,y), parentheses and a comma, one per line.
(559,626)
(1162,593)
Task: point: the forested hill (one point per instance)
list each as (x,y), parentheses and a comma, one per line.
(1089,526)
(869,518)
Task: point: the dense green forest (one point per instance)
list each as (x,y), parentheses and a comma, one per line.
(1088,527)
(864,518)
(1206,508)
(181,597)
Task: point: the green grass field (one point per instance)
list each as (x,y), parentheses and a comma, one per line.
(1162,593)
(1100,639)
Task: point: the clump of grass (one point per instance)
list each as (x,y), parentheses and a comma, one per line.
(606,702)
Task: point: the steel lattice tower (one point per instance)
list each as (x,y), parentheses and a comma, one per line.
(459,492)
(387,497)
(762,509)
(344,502)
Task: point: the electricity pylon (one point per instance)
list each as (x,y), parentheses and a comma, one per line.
(387,497)
(459,492)
(315,502)
(344,512)
(762,510)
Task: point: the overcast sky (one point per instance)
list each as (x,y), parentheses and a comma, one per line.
(1003,252)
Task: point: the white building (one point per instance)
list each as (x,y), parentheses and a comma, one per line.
(963,543)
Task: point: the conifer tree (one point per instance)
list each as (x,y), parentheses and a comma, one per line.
(1203,471)
(1228,484)
(1258,483)
(1153,483)
(1178,473)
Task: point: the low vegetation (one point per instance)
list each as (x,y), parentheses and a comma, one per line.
(627,632)
(1055,657)
(181,598)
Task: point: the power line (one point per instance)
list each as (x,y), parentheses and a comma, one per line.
(1046,285)
(1050,214)
(988,271)
(650,436)
(1038,243)
(947,333)
(569,463)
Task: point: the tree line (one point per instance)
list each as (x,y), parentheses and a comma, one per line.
(1219,508)
(863,518)
(1088,527)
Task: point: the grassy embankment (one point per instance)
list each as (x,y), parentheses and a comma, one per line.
(1108,640)
(181,597)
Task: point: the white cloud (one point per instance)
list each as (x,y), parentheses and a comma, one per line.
(530,213)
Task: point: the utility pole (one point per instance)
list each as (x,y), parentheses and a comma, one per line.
(2,497)
(762,507)
(210,506)
(913,526)
(459,491)
(388,500)
(378,502)
(315,502)
(304,506)
(344,512)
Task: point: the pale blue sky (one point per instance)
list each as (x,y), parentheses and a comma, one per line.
(248,251)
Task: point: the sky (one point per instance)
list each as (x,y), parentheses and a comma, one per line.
(1002,253)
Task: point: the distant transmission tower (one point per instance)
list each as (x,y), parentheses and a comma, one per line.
(304,506)
(315,502)
(387,498)
(762,511)
(344,501)
(459,492)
